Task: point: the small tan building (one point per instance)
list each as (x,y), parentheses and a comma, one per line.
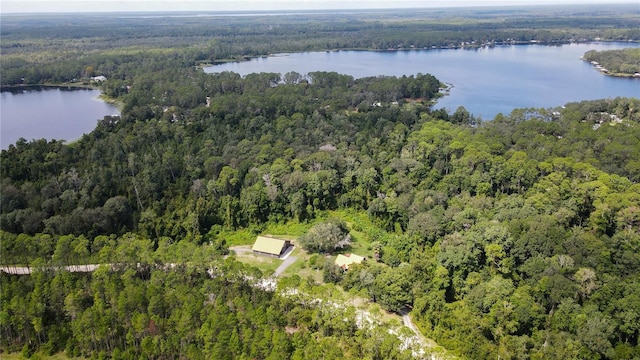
(344,261)
(270,246)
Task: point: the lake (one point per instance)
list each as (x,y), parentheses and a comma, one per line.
(486,81)
(52,113)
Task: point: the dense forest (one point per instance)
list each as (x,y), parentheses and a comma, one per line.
(184,313)
(516,238)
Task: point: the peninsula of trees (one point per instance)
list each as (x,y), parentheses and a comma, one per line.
(623,62)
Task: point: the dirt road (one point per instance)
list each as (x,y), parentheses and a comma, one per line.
(285,264)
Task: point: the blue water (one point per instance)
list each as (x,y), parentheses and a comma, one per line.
(49,113)
(486,81)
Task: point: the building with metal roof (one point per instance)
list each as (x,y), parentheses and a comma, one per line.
(344,261)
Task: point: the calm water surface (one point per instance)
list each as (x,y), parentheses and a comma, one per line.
(486,81)
(50,113)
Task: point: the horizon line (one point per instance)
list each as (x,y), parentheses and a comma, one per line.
(493,4)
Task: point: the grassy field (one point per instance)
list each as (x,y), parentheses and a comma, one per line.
(265,263)
(302,268)
(359,227)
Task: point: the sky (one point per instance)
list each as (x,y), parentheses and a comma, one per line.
(27,6)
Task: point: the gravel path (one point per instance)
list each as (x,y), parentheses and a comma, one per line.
(285,264)
(23,270)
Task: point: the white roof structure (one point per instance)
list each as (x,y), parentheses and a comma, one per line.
(345,260)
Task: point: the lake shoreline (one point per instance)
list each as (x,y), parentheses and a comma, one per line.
(482,79)
(119,104)
(51,112)
(102,97)
(463,46)
(69,86)
(614,74)
(621,75)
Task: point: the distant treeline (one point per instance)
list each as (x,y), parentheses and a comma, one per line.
(63,48)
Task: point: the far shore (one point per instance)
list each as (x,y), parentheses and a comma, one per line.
(78,85)
(463,45)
